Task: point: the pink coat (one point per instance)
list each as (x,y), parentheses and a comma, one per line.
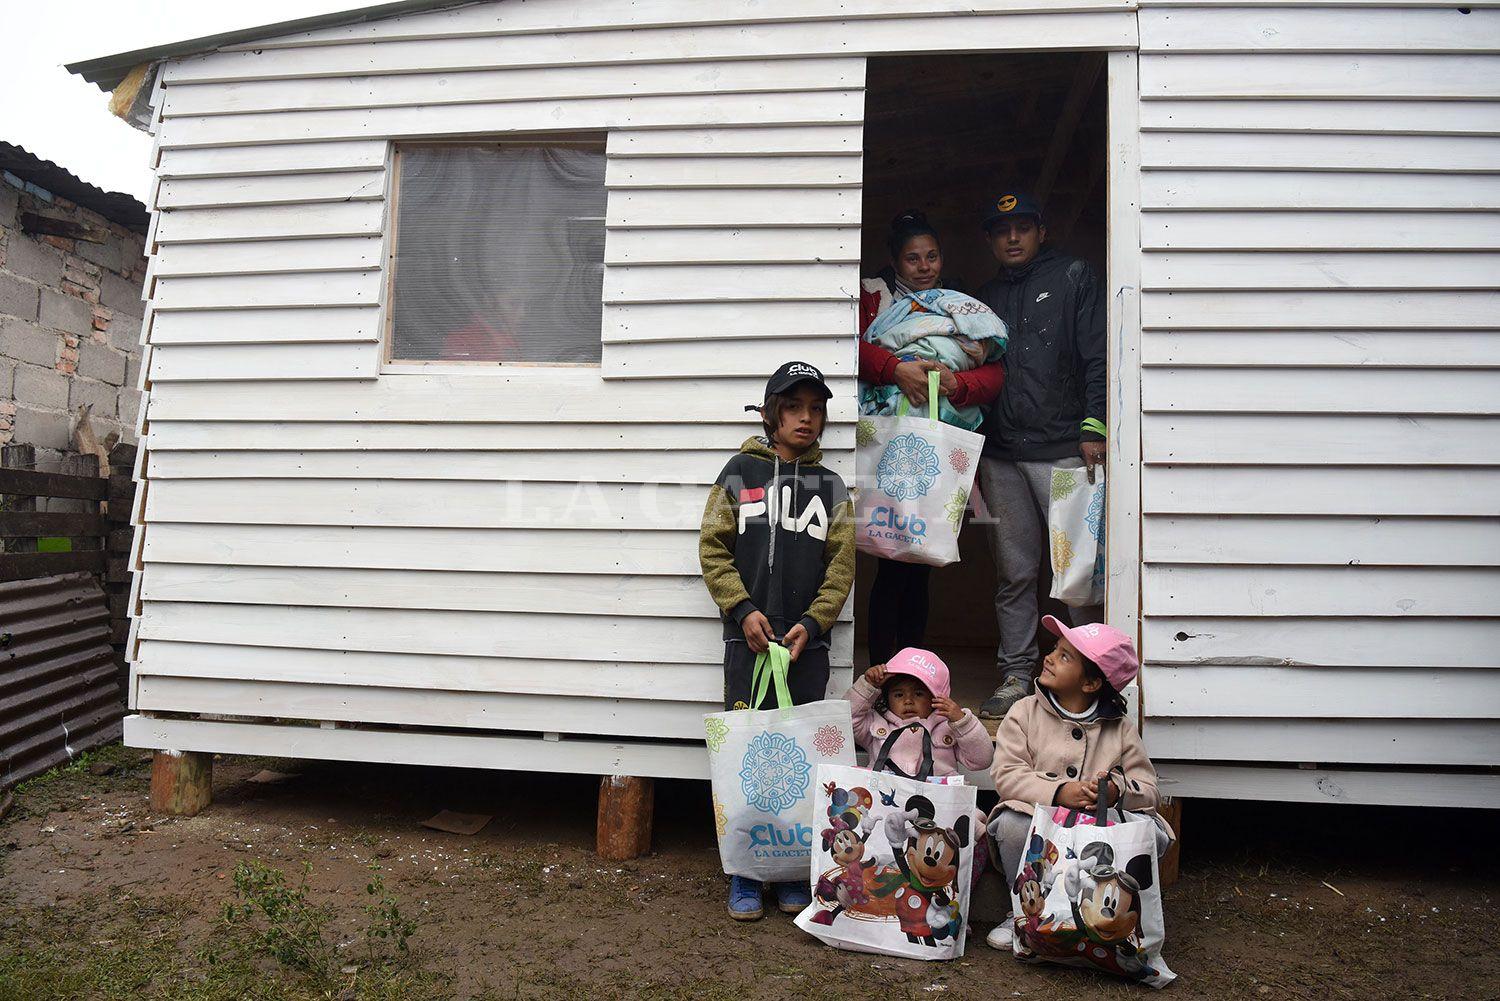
(956,747)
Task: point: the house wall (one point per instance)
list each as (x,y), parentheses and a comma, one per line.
(1314,375)
(70,325)
(512,549)
(1319,387)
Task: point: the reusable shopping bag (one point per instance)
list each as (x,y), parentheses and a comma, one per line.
(915,475)
(893,866)
(1090,895)
(1075,519)
(762,762)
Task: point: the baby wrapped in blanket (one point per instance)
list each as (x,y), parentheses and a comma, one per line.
(940,325)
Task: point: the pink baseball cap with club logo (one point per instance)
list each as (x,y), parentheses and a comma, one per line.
(924,665)
(1105,645)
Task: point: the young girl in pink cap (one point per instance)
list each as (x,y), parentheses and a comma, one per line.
(1054,746)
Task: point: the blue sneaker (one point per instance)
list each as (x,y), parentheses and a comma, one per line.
(744,899)
(791,898)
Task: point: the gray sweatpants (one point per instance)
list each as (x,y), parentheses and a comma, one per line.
(1017,495)
(1008,832)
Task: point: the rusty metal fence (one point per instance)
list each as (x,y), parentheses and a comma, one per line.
(59,693)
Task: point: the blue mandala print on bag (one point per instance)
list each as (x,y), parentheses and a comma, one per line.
(775,772)
(908,469)
(1095,516)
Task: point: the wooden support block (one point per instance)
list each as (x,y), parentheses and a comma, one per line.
(626,804)
(182,782)
(1171,812)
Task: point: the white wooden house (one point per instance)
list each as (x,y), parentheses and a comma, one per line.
(349,555)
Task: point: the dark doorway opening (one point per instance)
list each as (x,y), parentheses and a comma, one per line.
(947,135)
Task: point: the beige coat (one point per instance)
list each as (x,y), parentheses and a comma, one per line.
(1037,751)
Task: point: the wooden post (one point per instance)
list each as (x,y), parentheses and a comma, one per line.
(182,782)
(625,807)
(1171,812)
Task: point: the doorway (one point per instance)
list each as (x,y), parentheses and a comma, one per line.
(946,135)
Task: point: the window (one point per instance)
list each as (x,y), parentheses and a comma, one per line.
(498,254)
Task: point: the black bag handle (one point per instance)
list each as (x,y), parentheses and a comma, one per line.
(1101,806)
(883,758)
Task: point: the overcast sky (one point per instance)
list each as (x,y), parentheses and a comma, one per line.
(59,117)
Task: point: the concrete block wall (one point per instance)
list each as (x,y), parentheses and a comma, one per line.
(70,323)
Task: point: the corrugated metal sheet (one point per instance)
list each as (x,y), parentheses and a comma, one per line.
(58,695)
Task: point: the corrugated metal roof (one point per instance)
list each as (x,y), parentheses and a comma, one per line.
(58,695)
(108,71)
(116,206)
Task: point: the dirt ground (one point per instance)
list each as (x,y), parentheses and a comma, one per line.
(101,899)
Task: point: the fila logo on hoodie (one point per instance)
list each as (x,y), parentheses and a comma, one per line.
(813,520)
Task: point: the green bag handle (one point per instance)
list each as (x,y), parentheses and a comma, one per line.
(904,407)
(771,667)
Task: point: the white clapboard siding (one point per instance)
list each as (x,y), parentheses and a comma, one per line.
(641,322)
(1349,270)
(819,140)
(283,160)
(897,34)
(579,636)
(1360,119)
(743,207)
(1332,741)
(214,363)
(666,682)
(500,550)
(323,288)
(268,257)
(425,747)
(1378,693)
(717,283)
(1289,189)
(512,394)
(549,16)
(678,172)
(270,222)
(1333,231)
(485,86)
(1320,390)
(1302,76)
(420,121)
(1214,437)
(666,440)
(1329,489)
(1374,786)
(1335,309)
(1226,151)
(790,245)
(467,710)
(245,326)
(1357,590)
(835,356)
(1330,541)
(1317,348)
(1260,28)
(292,189)
(1320,641)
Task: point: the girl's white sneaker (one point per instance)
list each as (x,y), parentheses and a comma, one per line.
(1002,936)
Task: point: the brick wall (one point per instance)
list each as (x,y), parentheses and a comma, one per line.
(70,321)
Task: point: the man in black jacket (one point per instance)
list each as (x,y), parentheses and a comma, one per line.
(1049,414)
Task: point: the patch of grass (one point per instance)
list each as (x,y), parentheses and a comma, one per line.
(61,788)
(278,918)
(386,921)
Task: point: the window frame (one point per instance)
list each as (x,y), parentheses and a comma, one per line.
(391,365)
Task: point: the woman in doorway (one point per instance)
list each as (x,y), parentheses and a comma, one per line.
(899,596)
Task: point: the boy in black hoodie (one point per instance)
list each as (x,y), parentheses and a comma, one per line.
(777,549)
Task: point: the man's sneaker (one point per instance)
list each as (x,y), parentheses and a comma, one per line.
(744,899)
(791,898)
(1010,692)
(1002,936)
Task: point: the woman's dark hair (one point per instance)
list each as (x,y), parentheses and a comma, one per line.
(909,224)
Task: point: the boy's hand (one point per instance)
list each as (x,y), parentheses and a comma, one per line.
(948,708)
(1075,796)
(1093,453)
(796,639)
(758,632)
(876,675)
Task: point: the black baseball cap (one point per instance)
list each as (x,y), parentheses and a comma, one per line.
(1009,205)
(793,372)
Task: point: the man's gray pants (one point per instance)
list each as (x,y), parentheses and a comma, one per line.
(1017,496)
